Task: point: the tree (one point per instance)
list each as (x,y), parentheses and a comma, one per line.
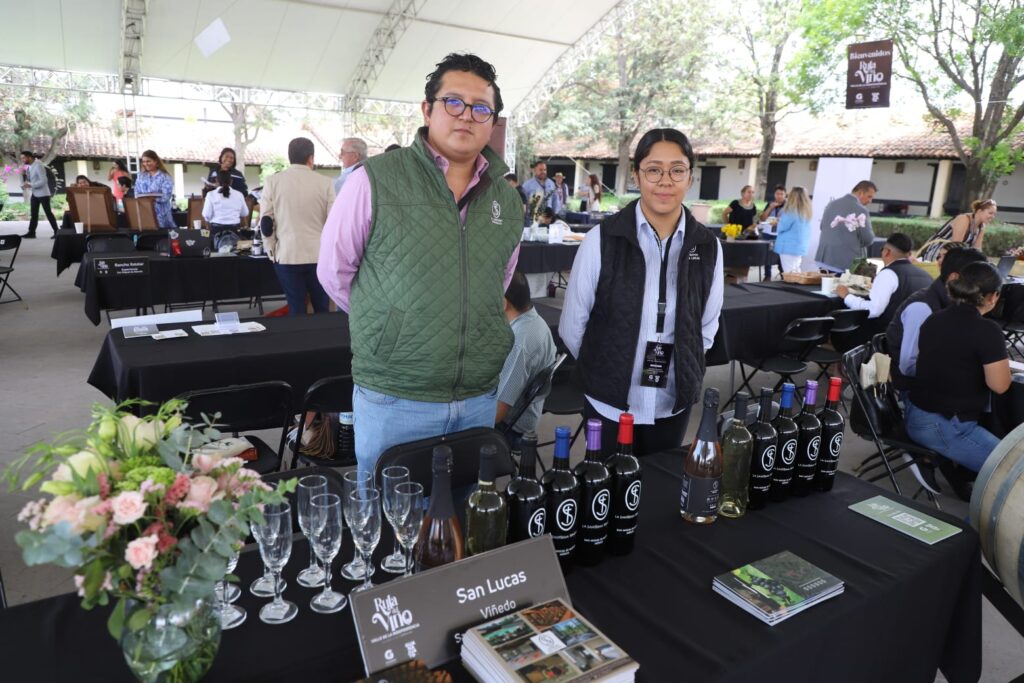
(248,120)
(650,71)
(33,109)
(955,53)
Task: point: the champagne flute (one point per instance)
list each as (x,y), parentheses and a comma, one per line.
(309,487)
(274,537)
(390,477)
(408,518)
(365,524)
(354,480)
(230,615)
(326,541)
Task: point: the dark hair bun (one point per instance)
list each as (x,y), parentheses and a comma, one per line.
(977,281)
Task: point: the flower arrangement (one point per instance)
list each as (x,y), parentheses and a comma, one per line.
(732,230)
(1017,253)
(536,204)
(136,512)
(851,221)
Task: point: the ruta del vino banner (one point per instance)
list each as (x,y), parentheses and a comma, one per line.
(868,74)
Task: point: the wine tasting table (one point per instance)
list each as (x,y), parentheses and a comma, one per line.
(541,257)
(908,609)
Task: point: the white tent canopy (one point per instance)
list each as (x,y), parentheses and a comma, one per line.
(312,46)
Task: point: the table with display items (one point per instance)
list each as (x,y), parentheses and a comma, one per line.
(908,609)
(174,281)
(541,257)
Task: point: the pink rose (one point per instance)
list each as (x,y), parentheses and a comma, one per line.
(141,552)
(128,507)
(204,462)
(61,509)
(200,494)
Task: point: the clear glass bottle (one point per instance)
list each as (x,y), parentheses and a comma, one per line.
(440,540)
(702,468)
(486,509)
(737,446)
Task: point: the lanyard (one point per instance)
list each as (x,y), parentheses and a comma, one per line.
(663,279)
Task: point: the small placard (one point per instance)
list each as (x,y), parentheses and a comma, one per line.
(424,616)
(906,520)
(133,331)
(170,334)
(121,266)
(227,321)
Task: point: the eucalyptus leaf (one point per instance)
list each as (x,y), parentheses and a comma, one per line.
(115,622)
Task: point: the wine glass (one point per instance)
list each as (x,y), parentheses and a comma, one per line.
(274,537)
(365,525)
(408,517)
(390,477)
(325,538)
(309,487)
(354,480)
(230,615)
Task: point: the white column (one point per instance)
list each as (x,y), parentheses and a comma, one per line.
(941,188)
(83,168)
(752,174)
(179,181)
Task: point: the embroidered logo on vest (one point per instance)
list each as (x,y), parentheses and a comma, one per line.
(496,213)
(693,255)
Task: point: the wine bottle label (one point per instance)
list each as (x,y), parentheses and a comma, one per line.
(535,526)
(700,495)
(789,452)
(594,525)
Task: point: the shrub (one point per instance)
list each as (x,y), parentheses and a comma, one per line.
(999,237)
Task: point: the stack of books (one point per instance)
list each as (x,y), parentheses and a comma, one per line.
(549,643)
(777,587)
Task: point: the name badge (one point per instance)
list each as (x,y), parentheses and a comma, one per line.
(657,357)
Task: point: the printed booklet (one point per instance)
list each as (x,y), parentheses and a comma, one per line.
(777,587)
(550,643)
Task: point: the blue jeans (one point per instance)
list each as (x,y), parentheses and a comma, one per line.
(964,442)
(298,280)
(382,421)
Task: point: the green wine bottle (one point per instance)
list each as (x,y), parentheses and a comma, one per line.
(486,509)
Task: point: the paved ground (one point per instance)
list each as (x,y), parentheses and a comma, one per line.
(47,347)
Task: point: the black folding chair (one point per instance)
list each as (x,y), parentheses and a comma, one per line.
(10,243)
(846,322)
(465,445)
(538,387)
(106,243)
(565,398)
(876,416)
(1013,331)
(152,241)
(245,408)
(800,338)
(328,395)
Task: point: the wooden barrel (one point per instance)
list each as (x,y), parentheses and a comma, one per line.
(997,512)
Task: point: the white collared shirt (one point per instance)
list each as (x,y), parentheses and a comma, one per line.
(645,403)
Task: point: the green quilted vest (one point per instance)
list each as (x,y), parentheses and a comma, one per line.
(426,311)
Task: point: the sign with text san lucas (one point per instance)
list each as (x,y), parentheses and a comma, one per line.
(868,74)
(424,616)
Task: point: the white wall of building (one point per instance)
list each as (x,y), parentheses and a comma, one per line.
(914,184)
(1010,192)
(799,174)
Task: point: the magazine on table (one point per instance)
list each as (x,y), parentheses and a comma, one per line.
(777,587)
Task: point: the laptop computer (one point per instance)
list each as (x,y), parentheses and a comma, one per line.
(188,243)
(1006,265)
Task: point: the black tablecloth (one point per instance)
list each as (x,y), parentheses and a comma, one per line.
(747,253)
(69,247)
(174,281)
(540,257)
(296,349)
(908,608)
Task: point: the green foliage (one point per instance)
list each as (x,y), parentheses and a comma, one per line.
(999,237)
(271,167)
(39,109)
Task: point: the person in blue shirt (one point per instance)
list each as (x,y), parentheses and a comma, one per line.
(154,179)
(542,185)
(794,230)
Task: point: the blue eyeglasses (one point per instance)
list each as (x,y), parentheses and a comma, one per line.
(454,106)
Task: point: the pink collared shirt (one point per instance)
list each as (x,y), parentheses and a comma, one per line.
(347,230)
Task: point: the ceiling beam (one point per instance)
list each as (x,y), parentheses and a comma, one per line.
(133,28)
(389,31)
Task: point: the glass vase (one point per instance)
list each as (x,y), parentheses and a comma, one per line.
(176,645)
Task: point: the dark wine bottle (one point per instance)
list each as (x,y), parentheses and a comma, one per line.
(595,499)
(702,469)
(762,459)
(563,493)
(526,497)
(486,509)
(785,459)
(624,468)
(808,443)
(737,445)
(440,539)
(832,427)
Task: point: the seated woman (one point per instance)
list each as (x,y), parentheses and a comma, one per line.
(967,229)
(961,359)
(226,162)
(225,208)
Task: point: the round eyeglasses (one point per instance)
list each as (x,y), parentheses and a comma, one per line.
(481,113)
(654,174)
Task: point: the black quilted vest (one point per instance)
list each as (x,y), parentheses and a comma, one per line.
(610,340)
(910,279)
(936,297)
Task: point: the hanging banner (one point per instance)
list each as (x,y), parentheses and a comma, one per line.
(868,74)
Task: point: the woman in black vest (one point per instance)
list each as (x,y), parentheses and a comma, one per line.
(226,162)
(651,256)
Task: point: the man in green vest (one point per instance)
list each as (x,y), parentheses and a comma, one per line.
(418,249)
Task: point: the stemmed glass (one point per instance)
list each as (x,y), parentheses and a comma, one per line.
(407,518)
(325,538)
(230,615)
(274,537)
(390,477)
(354,480)
(309,487)
(365,525)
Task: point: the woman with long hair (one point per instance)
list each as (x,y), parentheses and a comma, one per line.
(225,207)
(227,161)
(967,228)
(961,359)
(794,230)
(156,181)
(117,170)
(593,193)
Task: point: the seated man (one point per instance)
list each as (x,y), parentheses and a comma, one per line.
(532,351)
(899,279)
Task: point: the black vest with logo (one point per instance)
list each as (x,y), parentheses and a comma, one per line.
(910,278)
(936,298)
(613,329)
